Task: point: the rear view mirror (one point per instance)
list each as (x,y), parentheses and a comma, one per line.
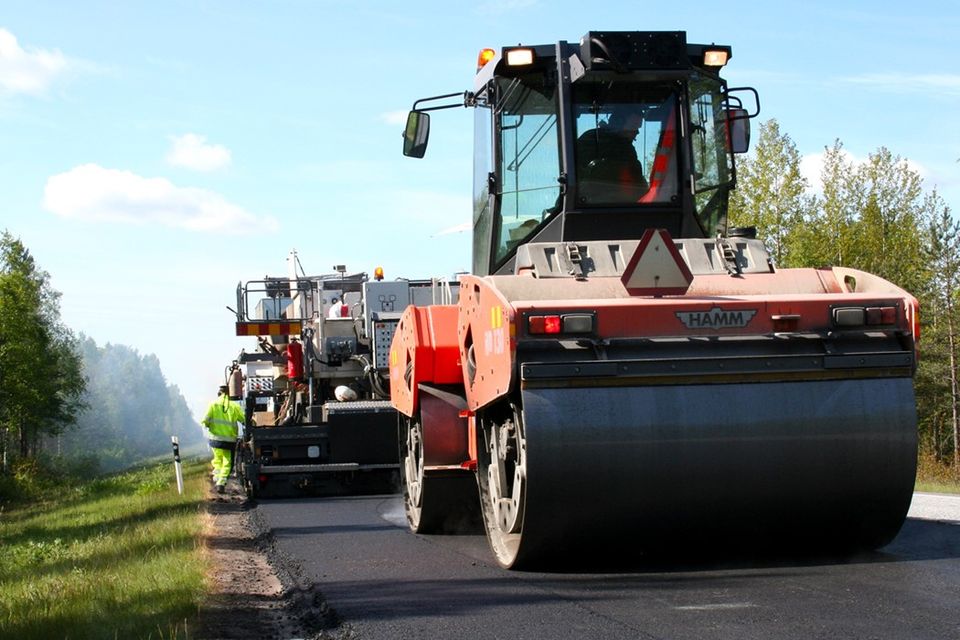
(416,134)
(738,130)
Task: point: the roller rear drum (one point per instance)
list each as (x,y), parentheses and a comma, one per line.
(791,466)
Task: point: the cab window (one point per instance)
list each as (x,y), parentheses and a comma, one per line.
(625,152)
(529,160)
(712,160)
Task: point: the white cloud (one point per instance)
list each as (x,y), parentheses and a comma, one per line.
(394,117)
(92,193)
(192,151)
(811,167)
(460,228)
(948,83)
(29,71)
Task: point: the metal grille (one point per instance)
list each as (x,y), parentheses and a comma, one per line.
(383,336)
(258,383)
(360,406)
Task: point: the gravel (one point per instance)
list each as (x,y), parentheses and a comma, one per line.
(255,591)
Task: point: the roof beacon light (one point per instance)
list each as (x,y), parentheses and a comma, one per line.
(715,57)
(378,274)
(486,55)
(519,57)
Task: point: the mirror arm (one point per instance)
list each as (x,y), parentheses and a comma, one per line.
(466,101)
(756,99)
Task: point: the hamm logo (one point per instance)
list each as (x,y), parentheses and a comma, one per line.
(716,318)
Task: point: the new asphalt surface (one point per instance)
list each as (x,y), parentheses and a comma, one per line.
(384,582)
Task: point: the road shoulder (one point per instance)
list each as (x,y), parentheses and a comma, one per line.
(253,591)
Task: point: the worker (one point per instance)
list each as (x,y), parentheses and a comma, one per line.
(607,164)
(338,309)
(221,427)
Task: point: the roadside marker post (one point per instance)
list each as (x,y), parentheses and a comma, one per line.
(176,463)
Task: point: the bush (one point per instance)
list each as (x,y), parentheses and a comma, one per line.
(30,479)
(935,474)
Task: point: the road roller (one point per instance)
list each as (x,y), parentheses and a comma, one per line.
(622,369)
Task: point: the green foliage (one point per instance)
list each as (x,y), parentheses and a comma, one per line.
(32,479)
(771,193)
(132,411)
(104,407)
(157,479)
(109,559)
(937,390)
(874,216)
(936,477)
(41,386)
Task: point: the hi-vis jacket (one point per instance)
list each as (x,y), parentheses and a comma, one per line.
(221,421)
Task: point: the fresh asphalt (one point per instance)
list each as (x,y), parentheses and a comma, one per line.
(385,582)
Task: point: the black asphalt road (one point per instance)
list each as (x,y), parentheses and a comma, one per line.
(385,582)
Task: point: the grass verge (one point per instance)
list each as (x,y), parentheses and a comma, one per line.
(116,557)
(936,477)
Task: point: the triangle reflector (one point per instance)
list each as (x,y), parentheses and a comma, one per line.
(656,267)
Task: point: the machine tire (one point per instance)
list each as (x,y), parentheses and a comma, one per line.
(502,479)
(443,503)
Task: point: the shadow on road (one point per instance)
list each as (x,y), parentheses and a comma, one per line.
(470,593)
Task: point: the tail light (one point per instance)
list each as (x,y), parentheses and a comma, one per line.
(560,324)
(864,316)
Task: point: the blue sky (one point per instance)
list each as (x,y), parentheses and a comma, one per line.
(153,154)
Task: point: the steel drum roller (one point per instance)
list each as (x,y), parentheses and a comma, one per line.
(828,463)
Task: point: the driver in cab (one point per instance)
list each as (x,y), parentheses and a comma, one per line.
(607,164)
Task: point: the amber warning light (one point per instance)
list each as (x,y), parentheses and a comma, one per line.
(486,55)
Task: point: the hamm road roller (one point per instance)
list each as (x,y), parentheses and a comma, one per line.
(623,369)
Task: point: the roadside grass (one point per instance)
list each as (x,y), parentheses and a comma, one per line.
(936,477)
(116,557)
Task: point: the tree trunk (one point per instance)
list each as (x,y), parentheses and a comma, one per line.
(951,341)
(24,441)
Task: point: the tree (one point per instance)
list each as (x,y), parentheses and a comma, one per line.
(874,216)
(41,385)
(938,388)
(132,410)
(827,238)
(888,235)
(772,193)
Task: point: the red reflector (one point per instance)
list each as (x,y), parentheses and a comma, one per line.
(535,324)
(881,315)
(262,478)
(551,324)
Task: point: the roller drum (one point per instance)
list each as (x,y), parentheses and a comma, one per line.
(788,465)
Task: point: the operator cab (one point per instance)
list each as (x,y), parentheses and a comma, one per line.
(598,141)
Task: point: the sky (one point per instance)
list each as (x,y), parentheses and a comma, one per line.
(155,154)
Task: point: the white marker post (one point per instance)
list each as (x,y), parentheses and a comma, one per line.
(176,463)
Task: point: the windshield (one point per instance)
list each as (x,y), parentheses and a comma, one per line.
(625,151)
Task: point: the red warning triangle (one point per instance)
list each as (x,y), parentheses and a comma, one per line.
(656,267)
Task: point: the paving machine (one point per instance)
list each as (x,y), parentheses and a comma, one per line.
(315,388)
(622,370)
